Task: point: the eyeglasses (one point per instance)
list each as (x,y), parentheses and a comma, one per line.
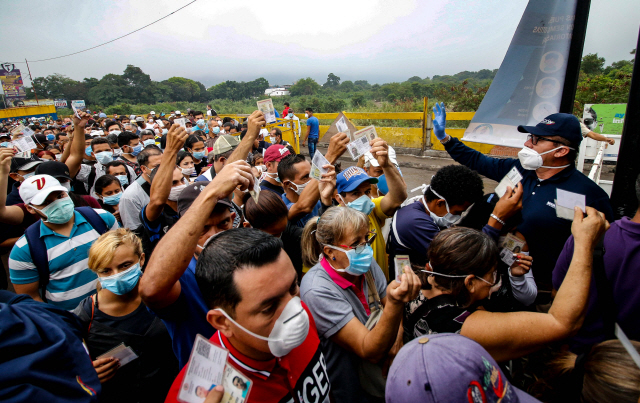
(534,139)
(494,278)
(371,236)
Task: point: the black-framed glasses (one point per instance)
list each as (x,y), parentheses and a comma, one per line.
(371,236)
(534,139)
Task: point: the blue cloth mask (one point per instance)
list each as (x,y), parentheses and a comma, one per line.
(359,263)
(104,157)
(123,282)
(87,151)
(123,179)
(198,155)
(51,137)
(59,211)
(362,204)
(136,150)
(112,200)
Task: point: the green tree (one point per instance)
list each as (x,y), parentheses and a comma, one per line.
(305,86)
(592,64)
(347,86)
(358,99)
(414,79)
(332,81)
(183,89)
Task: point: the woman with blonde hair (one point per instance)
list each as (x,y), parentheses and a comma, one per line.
(357,315)
(116,316)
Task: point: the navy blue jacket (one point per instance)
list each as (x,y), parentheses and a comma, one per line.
(545,233)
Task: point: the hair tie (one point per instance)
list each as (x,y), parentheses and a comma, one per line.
(576,377)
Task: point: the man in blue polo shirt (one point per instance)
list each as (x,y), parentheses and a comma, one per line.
(313,131)
(67,235)
(546,164)
(168,286)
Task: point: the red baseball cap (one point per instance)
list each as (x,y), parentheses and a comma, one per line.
(276,153)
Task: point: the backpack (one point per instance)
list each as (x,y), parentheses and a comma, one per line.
(38,249)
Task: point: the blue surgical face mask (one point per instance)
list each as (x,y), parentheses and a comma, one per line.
(216,129)
(6,144)
(149,142)
(123,179)
(136,150)
(104,157)
(362,204)
(59,211)
(198,155)
(165,131)
(123,282)
(112,200)
(51,137)
(87,151)
(29,175)
(359,263)
(200,123)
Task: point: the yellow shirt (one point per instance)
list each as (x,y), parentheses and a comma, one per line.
(376,222)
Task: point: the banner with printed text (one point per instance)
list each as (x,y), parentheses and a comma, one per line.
(12,85)
(528,85)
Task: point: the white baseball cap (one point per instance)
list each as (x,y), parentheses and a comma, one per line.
(132,117)
(368,157)
(178,113)
(152,113)
(34,190)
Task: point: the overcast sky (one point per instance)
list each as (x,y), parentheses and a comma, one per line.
(212,41)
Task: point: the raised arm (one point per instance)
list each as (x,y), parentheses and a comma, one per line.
(67,149)
(161,185)
(159,286)
(12,215)
(510,335)
(397,187)
(373,345)
(77,144)
(256,121)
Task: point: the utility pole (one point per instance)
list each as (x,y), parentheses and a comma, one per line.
(574,58)
(33,87)
(623,195)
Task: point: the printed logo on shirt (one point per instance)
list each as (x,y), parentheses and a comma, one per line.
(313,384)
(85,387)
(552,205)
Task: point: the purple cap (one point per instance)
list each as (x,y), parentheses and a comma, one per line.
(448,367)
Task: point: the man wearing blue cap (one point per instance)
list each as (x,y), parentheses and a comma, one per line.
(354,190)
(546,163)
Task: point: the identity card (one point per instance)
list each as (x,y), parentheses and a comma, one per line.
(204,371)
(401,262)
(28,132)
(317,166)
(566,201)
(24,144)
(507,256)
(182,122)
(159,122)
(512,243)
(123,353)
(77,109)
(266,107)
(360,144)
(511,179)
(255,192)
(342,127)
(236,385)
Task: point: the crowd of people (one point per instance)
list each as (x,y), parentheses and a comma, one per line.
(140,233)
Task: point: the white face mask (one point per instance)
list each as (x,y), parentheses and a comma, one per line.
(306,116)
(299,188)
(272,139)
(188,171)
(532,160)
(175,191)
(443,222)
(289,331)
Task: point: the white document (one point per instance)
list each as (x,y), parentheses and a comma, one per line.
(360,144)
(182,122)
(566,201)
(266,107)
(255,192)
(204,371)
(317,166)
(341,125)
(123,353)
(511,179)
(28,132)
(159,122)
(24,144)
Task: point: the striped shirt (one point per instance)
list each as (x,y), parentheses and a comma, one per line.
(70,280)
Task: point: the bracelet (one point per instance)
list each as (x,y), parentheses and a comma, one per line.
(495,217)
(443,142)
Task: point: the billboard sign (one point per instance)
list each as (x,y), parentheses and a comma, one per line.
(12,85)
(528,85)
(78,104)
(60,103)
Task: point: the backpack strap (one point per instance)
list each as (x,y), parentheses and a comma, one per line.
(39,256)
(607,305)
(146,186)
(93,307)
(91,179)
(93,218)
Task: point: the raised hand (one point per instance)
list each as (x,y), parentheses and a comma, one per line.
(404,290)
(380,150)
(236,174)
(337,147)
(587,230)
(510,203)
(440,121)
(176,137)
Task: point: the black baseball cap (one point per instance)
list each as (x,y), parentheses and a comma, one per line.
(191,193)
(56,169)
(24,164)
(562,125)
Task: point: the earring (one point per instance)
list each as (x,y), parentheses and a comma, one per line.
(333,258)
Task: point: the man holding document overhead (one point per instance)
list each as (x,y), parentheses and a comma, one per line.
(547,165)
